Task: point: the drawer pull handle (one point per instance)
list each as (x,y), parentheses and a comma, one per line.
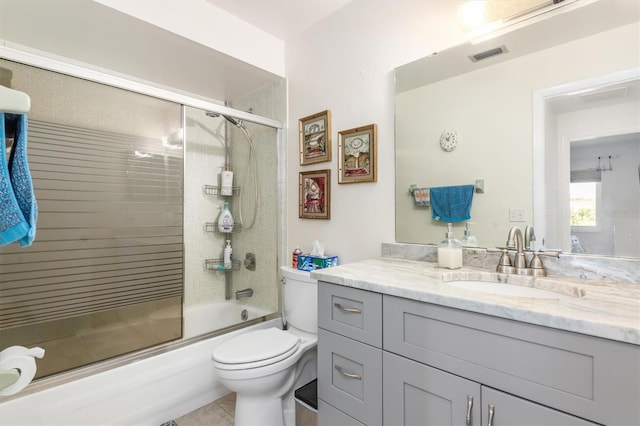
(348,310)
(348,375)
(491,412)
(469,407)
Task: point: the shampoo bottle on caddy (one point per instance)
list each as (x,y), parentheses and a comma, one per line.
(226,181)
(225,219)
(228,256)
(450,251)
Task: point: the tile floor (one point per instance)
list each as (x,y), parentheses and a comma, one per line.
(219,413)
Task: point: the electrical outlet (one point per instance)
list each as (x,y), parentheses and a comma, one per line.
(516,215)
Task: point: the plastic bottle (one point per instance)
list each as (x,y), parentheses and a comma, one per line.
(450,251)
(469,240)
(226,181)
(225,219)
(228,256)
(294,257)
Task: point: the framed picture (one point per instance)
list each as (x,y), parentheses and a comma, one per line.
(315,194)
(315,138)
(357,152)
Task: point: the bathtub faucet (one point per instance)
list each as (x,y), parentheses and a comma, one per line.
(247,292)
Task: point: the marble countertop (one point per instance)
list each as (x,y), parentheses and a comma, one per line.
(595,308)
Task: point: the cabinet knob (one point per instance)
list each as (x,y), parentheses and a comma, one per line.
(347,310)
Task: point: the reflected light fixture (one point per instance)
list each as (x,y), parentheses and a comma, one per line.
(471,15)
(174,140)
(481,17)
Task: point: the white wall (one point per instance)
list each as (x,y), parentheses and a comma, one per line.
(345,64)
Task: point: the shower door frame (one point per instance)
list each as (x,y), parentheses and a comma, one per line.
(103,76)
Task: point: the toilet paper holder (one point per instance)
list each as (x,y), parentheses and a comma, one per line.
(17,368)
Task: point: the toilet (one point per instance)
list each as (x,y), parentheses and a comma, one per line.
(264,367)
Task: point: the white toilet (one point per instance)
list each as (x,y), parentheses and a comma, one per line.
(264,367)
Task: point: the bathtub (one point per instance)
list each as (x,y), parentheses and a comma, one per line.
(204,318)
(150,391)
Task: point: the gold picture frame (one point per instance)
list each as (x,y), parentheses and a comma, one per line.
(315,138)
(358,154)
(315,194)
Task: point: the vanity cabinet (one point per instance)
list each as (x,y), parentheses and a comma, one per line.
(440,366)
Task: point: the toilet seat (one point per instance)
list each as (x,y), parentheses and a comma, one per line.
(255,349)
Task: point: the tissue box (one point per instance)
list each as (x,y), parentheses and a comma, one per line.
(307,262)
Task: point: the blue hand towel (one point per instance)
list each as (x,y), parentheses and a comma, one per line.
(13,225)
(452,203)
(21,177)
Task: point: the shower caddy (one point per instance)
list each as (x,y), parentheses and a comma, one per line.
(214,264)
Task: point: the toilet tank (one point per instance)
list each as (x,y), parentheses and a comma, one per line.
(300,299)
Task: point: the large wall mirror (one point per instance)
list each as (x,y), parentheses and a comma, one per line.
(550,127)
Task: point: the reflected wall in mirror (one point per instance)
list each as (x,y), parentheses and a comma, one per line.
(590,202)
(490,104)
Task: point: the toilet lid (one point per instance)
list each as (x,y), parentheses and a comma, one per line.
(258,345)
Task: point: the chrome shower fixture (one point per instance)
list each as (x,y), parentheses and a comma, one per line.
(237,123)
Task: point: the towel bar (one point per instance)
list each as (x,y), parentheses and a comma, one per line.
(479,187)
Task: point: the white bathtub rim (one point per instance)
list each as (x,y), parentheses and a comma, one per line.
(208,317)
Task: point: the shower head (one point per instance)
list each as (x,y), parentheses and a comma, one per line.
(233,121)
(230,119)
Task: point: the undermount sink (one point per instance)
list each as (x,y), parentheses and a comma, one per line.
(506,289)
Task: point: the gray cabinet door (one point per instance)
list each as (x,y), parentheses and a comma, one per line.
(509,410)
(415,394)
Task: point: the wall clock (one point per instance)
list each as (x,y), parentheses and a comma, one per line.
(449,140)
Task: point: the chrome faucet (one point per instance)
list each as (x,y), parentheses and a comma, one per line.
(529,237)
(516,234)
(521,243)
(247,292)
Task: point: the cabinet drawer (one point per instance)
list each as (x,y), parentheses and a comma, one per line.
(350,376)
(351,312)
(331,416)
(570,372)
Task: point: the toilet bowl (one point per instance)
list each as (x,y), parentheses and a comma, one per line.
(264,366)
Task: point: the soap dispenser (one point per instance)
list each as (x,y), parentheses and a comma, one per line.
(469,240)
(225,220)
(450,251)
(226,181)
(228,256)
